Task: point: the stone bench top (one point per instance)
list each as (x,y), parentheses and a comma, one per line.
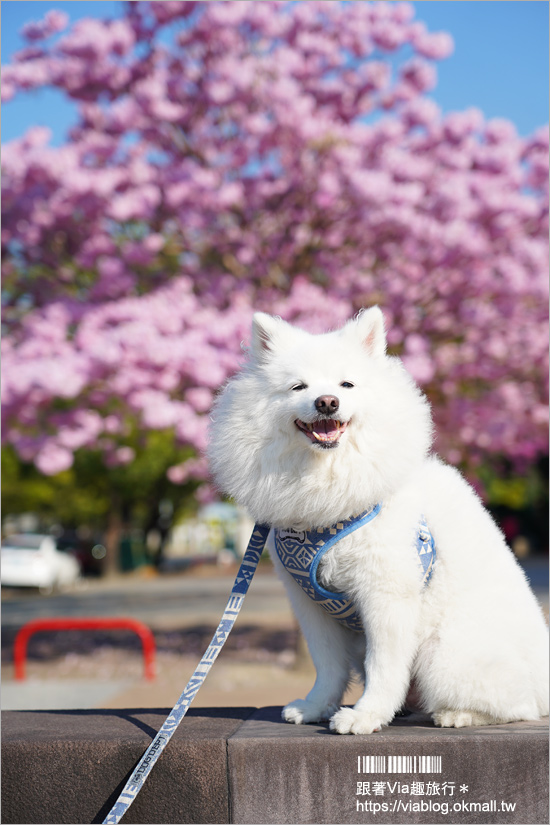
(245,765)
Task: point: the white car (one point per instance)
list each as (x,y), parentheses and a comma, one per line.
(30,560)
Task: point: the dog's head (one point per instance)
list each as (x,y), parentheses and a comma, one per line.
(317,427)
(316,384)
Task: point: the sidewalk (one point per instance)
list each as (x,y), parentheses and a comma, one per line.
(231,682)
(58,694)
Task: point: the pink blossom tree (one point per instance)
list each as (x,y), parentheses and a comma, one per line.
(232,156)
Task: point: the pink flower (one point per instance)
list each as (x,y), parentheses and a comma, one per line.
(435,46)
(53,459)
(54,21)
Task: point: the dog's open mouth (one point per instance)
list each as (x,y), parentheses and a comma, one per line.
(325,432)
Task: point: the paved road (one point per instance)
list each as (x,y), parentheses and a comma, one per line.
(159,601)
(178,599)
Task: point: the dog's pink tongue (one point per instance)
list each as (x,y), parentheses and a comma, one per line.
(325,427)
(326,430)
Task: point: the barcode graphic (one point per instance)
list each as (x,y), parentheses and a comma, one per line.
(399,764)
(371,764)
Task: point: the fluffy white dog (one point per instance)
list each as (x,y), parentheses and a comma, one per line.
(319,428)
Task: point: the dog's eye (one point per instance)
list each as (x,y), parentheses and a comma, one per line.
(347,384)
(298,387)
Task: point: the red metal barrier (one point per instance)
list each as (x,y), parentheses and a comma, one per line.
(144,633)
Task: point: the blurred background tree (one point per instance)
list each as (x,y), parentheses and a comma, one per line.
(236,156)
(109,502)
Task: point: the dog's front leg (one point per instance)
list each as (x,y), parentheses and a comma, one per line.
(329,645)
(391,629)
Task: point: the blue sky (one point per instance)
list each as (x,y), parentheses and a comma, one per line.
(500,63)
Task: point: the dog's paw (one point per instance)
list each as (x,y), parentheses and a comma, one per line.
(349,720)
(461,718)
(300,712)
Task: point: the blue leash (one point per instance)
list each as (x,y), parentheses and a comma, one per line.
(240,588)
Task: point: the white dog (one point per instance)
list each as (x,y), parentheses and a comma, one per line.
(319,428)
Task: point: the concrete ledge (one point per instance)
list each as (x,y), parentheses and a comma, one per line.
(290,774)
(70,766)
(240,765)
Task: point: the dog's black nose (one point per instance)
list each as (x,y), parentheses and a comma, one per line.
(327,404)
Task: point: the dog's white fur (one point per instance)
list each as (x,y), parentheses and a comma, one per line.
(474,641)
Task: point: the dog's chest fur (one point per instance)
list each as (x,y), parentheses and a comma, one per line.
(338,568)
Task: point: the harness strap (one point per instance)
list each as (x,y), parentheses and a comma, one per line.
(240,588)
(338,532)
(302,551)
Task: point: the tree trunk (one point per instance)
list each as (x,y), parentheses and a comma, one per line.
(113,536)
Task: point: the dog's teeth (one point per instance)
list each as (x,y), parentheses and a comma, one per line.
(317,436)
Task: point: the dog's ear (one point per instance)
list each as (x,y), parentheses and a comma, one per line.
(368,327)
(265,331)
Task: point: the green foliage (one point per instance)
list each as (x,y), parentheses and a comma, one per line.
(504,488)
(89,491)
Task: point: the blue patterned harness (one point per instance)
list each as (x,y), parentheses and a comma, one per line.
(301,552)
